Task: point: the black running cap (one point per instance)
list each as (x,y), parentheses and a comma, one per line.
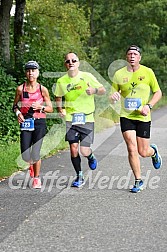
(135,48)
(31,65)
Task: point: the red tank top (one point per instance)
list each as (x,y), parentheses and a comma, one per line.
(27,99)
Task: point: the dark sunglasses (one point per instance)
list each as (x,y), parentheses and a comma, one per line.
(73,61)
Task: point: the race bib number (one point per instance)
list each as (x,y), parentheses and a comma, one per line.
(78,118)
(132,103)
(28,124)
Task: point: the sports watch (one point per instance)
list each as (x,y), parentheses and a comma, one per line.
(150,106)
(42,109)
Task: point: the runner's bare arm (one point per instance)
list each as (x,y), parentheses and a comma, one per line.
(60,110)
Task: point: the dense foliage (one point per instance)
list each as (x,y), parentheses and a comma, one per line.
(8,124)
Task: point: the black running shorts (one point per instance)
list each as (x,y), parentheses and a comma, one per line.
(142,128)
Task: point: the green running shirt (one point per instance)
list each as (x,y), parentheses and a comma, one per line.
(74,92)
(135,88)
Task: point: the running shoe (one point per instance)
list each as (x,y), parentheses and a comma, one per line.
(36,184)
(156,158)
(137,187)
(31,171)
(92,163)
(78,182)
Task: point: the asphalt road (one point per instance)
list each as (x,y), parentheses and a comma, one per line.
(102,216)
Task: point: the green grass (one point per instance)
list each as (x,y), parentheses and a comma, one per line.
(53,142)
(8,155)
(11,160)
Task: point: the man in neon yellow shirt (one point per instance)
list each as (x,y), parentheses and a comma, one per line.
(132,85)
(78,89)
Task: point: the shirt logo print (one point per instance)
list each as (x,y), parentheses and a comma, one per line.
(141,78)
(73,87)
(133,91)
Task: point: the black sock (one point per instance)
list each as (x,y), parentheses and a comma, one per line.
(137,180)
(76,161)
(91,156)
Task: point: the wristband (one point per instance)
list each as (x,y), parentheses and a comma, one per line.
(150,106)
(18,112)
(96,90)
(42,109)
(15,106)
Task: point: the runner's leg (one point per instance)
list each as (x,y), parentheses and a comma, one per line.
(133,155)
(144,148)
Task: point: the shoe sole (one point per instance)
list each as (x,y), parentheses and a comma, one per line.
(37,186)
(161,162)
(141,189)
(153,146)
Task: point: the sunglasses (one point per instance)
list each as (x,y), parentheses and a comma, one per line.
(73,61)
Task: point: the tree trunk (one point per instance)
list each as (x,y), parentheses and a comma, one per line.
(18,31)
(91,23)
(5,8)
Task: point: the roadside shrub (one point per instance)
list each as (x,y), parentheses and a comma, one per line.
(8,123)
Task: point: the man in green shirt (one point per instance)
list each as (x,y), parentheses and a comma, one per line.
(78,89)
(132,85)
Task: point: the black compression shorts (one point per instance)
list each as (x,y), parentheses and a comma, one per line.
(31,141)
(142,128)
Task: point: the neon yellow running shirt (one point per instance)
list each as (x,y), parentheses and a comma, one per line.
(135,88)
(74,92)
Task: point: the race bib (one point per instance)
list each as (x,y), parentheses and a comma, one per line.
(28,124)
(78,118)
(132,103)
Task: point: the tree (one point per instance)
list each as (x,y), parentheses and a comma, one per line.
(5,8)
(18,31)
(52,29)
(5,31)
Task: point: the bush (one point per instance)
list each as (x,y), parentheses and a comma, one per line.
(8,123)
